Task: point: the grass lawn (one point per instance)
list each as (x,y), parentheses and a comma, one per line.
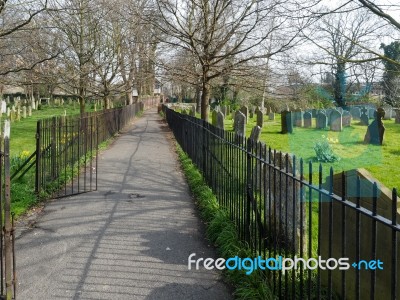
(383,162)
(22,140)
(22,137)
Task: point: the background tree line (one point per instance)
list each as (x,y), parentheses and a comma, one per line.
(234,51)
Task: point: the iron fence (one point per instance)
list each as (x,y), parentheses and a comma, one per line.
(283,209)
(65,158)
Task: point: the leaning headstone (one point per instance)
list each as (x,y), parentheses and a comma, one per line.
(307,119)
(286,122)
(355,113)
(240,124)
(346,118)
(364,119)
(376,129)
(271,116)
(255,134)
(245,110)
(220,120)
(23,112)
(336,121)
(322,120)
(260,118)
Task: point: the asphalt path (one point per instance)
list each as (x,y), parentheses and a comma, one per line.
(130,239)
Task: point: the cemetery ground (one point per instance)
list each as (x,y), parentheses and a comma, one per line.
(381,161)
(22,145)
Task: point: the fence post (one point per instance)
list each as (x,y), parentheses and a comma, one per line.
(7,214)
(53,148)
(38,157)
(249,183)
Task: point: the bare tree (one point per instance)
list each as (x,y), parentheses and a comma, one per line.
(220,30)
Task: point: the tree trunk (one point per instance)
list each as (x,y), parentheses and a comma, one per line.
(205,101)
(340,85)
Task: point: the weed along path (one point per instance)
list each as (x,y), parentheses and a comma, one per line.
(130,239)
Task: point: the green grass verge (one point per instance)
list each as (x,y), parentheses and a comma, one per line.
(223,234)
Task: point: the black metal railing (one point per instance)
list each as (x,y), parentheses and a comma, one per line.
(283,208)
(65,158)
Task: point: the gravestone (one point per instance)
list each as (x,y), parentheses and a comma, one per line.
(364,119)
(18,114)
(260,118)
(376,129)
(355,113)
(307,119)
(220,120)
(192,111)
(240,124)
(271,116)
(336,121)
(286,202)
(8,112)
(388,113)
(3,107)
(397,116)
(298,118)
(23,112)
(214,118)
(346,118)
(286,122)
(255,134)
(29,111)
(224,110)
(322,120)
(371,113)
(245,110)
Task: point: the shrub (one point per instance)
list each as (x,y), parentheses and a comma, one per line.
(324,152)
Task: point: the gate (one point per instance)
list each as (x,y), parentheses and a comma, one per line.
(7,257)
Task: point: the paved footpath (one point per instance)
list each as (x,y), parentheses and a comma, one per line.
(130,239)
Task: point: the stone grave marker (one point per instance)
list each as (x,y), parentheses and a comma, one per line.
(260,118)
(29,111)
(271,116)
(322,120)
(307,119)
(255,134)
(214,118)
(3,107)
(286,122)
(364,119)
(336,121)
(355,113)
(397,116)
(346,118)
(388,113)
(376,129)
(298,118)
(240,124)
(23,112)
(371,113)
(245,110)
(192,111)
(8,112)
(220,120)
